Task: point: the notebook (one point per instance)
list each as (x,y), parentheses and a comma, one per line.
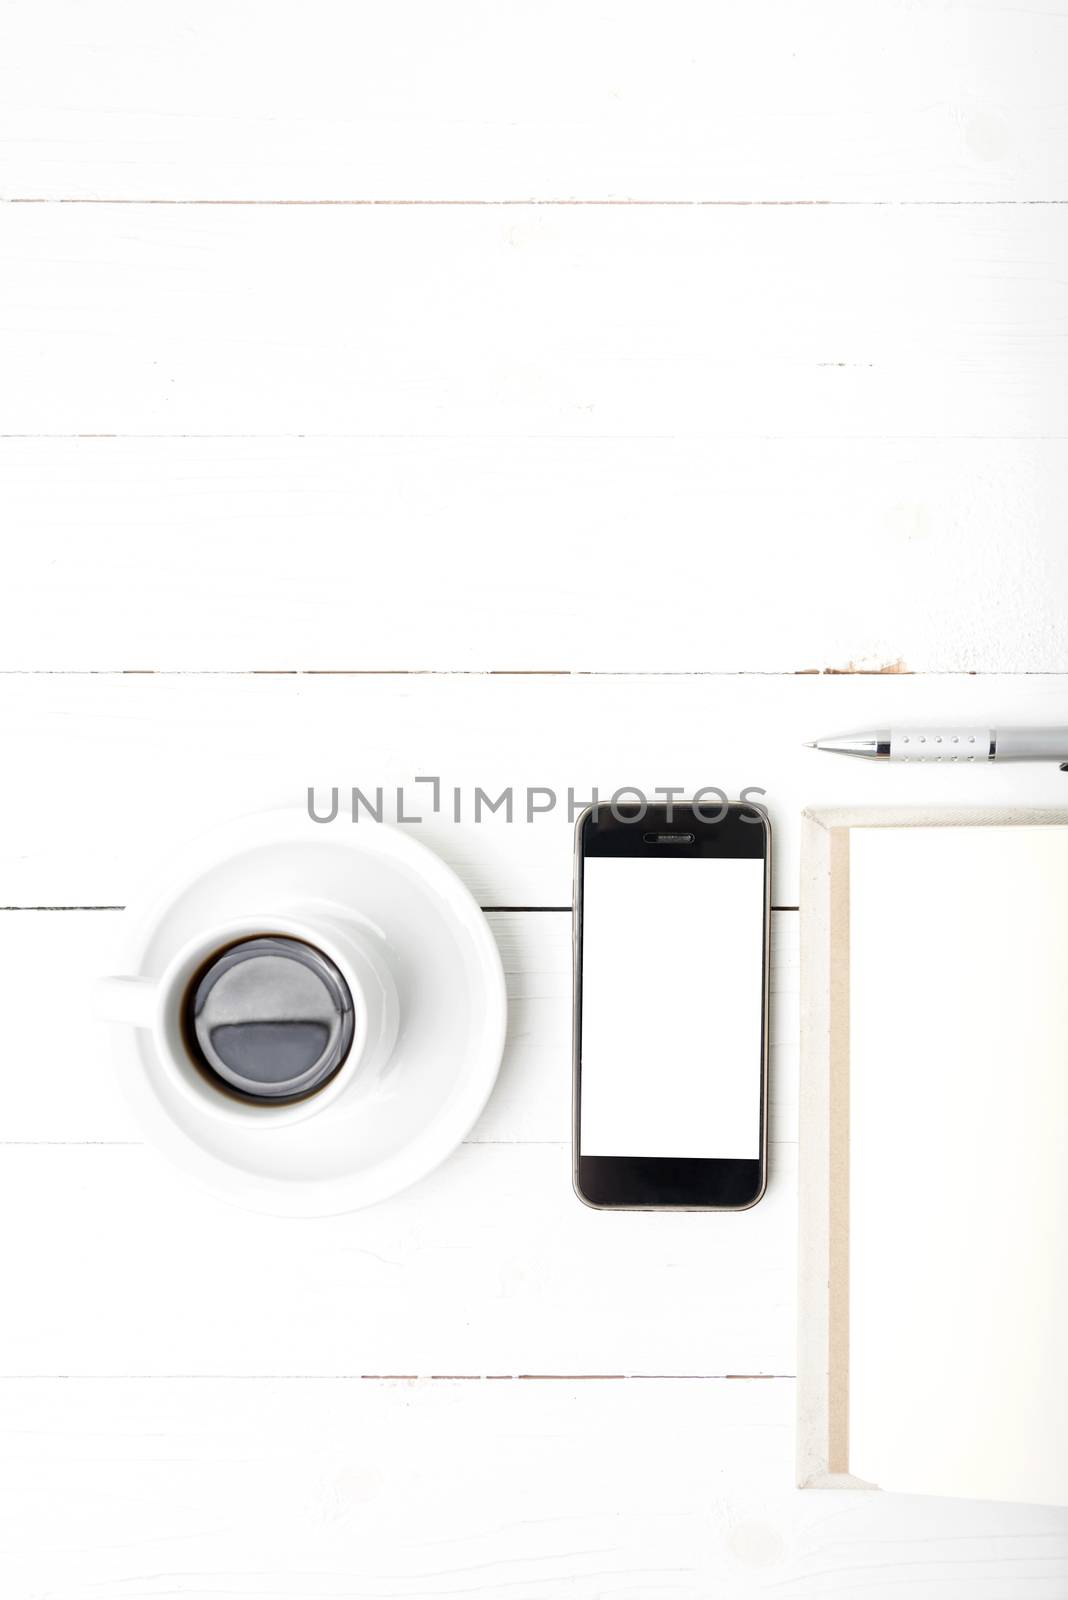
(933,1335)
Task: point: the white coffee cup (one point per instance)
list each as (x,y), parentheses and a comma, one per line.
(156,1004)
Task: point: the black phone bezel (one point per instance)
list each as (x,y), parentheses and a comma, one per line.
(658,1183)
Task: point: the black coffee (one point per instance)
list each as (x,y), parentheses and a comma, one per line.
(269,1019)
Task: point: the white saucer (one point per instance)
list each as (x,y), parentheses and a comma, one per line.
(452,1001)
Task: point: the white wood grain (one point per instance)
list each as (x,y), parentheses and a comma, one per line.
(78,1098)
(590,555)
(845,322)
(550,1491)
(767,101)
(869,396)
(490,1265)
(111,772)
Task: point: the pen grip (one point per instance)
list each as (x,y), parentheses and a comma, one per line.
(940,744)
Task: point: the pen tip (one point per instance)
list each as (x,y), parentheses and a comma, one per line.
(809,744)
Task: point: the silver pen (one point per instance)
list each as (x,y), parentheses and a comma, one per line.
(952,744)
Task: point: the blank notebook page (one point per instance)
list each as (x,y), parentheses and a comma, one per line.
(958,1204)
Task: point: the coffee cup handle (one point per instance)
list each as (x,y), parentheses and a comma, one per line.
(129,1000)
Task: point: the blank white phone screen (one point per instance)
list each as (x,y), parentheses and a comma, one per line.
(672,1003)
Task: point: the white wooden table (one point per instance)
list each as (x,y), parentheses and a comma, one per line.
(556,394)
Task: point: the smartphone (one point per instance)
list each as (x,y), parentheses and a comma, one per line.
(671,913)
